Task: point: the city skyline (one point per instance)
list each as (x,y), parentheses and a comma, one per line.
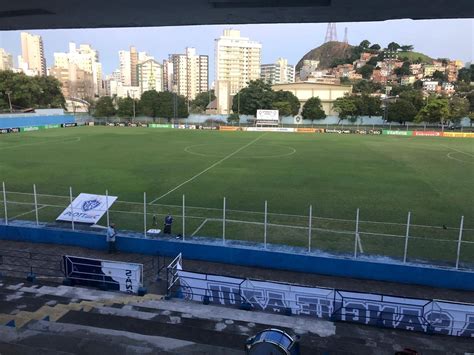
(436,38)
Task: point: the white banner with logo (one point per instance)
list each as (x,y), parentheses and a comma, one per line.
(431,316)
(270,129)
(87,208)
(127,275)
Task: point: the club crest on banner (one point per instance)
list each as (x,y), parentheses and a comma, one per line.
(90,205)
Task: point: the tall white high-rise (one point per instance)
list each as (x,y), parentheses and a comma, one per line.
(32,60)
(125,68)
(129,61)
(190,73)
(6,60)
(84,58)
(237,61)
(278,73)
(150,75)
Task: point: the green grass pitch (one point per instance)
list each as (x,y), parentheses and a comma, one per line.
(383,176)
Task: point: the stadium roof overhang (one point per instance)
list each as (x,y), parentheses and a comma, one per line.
(49,14)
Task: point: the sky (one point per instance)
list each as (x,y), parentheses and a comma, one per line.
(452,38)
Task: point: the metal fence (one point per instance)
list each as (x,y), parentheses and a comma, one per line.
(403,241)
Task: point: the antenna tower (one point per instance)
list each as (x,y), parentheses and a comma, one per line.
(331,33)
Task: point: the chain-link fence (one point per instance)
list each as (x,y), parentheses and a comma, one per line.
(380,240)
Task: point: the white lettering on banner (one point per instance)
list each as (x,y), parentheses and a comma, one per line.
(439,317)
(87,208)
(127,275)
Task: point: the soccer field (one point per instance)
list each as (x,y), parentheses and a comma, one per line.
(383,176)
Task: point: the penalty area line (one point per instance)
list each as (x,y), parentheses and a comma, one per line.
(207,169)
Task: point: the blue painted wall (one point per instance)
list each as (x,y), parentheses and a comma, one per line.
(409,274)
(27,121)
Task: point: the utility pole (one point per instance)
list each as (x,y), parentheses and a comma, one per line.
(9,100)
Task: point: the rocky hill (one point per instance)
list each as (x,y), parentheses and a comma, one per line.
(327,53)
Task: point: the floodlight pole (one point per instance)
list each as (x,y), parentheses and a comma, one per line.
(265,226)
(107,207)
(309,227)
(72,208)
(459,242)
(223,222)
(36,204)
(5,203)
(406,238)
(144,214)
(184,217)
(356,236)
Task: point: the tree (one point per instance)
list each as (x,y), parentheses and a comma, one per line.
(459,108)
(393,46)
(149,103)
(401,111)
(464,75)
(440,76)
(346,108)
(366,71)
(364,44)
(29,92)
(286,102)
(435,111)
(313,109)
(407,48)
(403,70)
(257,95)
(367,105)
(375,47)
(413,96)
(366,87)
(233,118)
(199,104)
(104,107)
(345,81)
(126,107)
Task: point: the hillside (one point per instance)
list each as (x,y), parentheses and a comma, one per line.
(413,56)
(327,53)
(333,51)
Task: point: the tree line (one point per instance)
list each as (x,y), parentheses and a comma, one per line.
(151,104)
(26,92)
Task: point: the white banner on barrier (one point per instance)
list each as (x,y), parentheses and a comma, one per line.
(366,308)
(270,129)
(87,208)
(127,275)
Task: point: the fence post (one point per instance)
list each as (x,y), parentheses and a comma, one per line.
(265,226)
(107,206)
(309,227)
(184,218)
(144,214)
(72,208)
(5,203)
(36,204)
(459,242)
(223,222)
(356,237)
(406,238)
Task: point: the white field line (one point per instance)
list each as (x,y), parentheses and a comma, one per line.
(459,151)
(199,228)
(25,213)
(69,140)
(459,160)
(208,168)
